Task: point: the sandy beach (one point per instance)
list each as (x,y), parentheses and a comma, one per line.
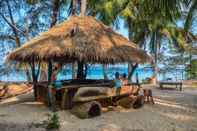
(173,111)
(100,60)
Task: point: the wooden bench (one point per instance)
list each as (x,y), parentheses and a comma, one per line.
(176,84)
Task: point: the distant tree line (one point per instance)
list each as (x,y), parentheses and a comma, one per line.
(151,24)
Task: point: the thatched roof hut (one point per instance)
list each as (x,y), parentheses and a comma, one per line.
(80,39)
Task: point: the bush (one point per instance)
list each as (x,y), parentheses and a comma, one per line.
(192,70)
(53,122)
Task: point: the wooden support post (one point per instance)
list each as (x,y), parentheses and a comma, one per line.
(32,65)
(181,86)
(51,98)
(64,97)
(80,70)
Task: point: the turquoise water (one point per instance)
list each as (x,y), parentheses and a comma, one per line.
(96,72)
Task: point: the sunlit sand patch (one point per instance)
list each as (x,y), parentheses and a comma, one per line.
(10,100)
(165,101)
(169,94)
(117,109)
(171,104)
(33,103)
(178,116)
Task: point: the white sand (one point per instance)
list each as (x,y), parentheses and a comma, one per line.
(173,111)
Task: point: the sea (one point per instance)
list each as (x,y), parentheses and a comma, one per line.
(96,72)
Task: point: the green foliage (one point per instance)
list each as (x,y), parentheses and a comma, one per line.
(148,21)
(53,121)
(32,1)
(192,70)
(191,13)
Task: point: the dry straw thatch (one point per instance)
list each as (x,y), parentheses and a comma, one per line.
(80,39)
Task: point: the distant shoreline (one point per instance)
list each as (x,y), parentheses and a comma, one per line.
(96,72)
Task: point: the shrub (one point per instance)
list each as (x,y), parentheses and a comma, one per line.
(192,70)
(53,121)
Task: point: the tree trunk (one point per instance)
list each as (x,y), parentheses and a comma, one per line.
(104,66)
(131,67)
(80,70)
(130,38)
(51,97)
(131,70)
(16,34)
(74,12)
(18,44)
(55,10)
(56,5)
(34,79)
(73,70)
(74,7)
(27,73)
(85,71)
(83,7)
(155,68)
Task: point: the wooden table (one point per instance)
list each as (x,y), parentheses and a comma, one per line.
(177,84)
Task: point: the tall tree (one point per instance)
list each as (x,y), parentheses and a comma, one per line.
(149,20)
(55,11)
(191,13)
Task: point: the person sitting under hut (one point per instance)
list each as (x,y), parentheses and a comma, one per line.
(117,83)
(57,83)
(125,84)
(124,79)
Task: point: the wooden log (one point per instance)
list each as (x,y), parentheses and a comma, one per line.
(131,101)
(87,110)
(139,102)
(4,90)
(136,90)
(127,102)
(106,102)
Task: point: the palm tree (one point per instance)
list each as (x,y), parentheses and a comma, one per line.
(146,19)
(192,5)
(152,20)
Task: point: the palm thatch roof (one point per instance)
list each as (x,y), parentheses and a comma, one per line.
(80,39)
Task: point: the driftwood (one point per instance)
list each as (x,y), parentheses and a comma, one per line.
(4,91)
(139,102)
(127,102)
(11,90)
(87,110)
